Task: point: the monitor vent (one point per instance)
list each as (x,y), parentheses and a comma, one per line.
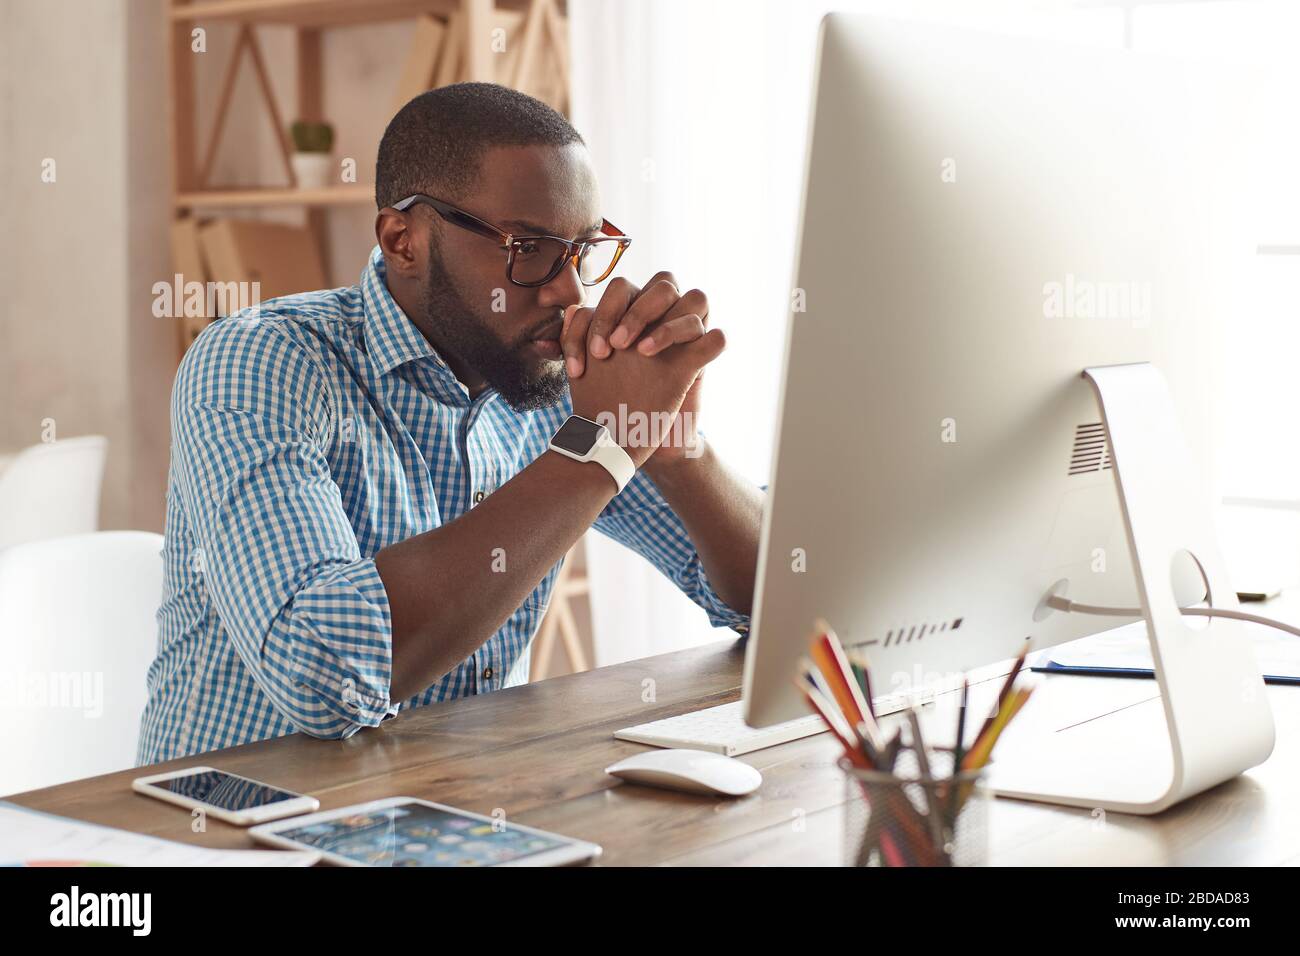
(913,632)
(1091,449)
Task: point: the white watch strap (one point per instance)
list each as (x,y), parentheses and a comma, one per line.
(606,452)
(611,456)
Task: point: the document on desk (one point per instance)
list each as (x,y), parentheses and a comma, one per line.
(31,838)
(1126,651)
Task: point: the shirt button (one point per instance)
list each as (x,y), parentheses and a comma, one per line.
(478,496)
(487,673)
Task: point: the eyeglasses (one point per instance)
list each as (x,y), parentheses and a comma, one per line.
(536,260)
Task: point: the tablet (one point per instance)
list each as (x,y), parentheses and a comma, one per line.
(403,831)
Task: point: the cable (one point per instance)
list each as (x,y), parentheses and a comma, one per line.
(1058,603)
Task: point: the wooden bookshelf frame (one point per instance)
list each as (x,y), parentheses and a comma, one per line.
(534,28)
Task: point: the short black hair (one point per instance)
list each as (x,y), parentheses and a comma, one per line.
(435,143)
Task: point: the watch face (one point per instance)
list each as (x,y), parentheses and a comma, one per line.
(577,435)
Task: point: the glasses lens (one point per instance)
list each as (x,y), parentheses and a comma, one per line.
(536,258)
(596,260)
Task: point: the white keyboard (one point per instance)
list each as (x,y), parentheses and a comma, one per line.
(723,730)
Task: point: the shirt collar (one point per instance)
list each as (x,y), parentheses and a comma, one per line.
(391,338)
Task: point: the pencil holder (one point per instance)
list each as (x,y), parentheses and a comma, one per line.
(903,818)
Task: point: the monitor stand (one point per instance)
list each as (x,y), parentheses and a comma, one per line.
(1216,718)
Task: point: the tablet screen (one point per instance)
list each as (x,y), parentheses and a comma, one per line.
(415,835)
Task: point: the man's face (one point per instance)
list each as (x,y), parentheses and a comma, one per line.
(509,334)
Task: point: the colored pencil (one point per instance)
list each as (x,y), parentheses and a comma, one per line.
(982,749)
(838,689)
(1003,694)
(828,654)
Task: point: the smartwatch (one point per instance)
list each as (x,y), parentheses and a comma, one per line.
(584,440)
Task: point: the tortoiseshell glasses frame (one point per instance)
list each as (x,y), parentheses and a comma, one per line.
(527,256)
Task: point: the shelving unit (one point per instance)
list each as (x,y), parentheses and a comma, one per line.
(320,13)
(451,40)
(343,195)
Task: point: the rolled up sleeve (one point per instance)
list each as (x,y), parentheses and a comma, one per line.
(306,612)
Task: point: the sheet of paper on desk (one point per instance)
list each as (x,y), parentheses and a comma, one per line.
(31,838)
(1127,648)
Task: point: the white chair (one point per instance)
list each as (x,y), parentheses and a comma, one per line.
(77,635)
(51,490)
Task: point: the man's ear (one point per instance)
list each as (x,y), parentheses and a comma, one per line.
(400,245)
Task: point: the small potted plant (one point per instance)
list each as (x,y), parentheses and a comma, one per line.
(311,158)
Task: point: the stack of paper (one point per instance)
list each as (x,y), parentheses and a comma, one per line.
(31,838)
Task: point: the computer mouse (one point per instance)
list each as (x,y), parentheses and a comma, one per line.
(695,771)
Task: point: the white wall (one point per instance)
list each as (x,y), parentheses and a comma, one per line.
(82,84)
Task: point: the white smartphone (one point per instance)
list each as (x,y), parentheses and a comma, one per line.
(226,796)
(403,831)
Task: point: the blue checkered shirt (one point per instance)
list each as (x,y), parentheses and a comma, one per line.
(306,436)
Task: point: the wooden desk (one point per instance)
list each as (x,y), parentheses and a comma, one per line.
(538,752)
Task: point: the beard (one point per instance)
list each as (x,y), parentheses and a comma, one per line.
(524,382)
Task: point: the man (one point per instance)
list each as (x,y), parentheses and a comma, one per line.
(364,509)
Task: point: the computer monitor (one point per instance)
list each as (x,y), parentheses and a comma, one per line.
(984,218)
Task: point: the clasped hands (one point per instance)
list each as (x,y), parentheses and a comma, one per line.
(636,359)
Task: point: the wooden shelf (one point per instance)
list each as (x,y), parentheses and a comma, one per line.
(348,195)
(448,43)
(320,13)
